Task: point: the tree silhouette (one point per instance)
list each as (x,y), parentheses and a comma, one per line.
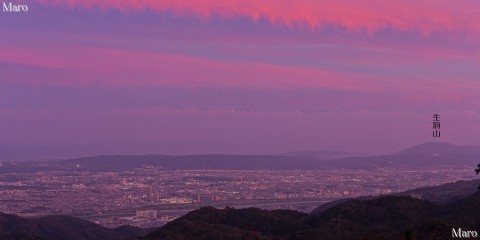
(477,171)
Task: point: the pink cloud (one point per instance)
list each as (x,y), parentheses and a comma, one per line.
(369,15)
(103,66)
(136,68)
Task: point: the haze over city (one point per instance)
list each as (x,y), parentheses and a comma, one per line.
(188,77)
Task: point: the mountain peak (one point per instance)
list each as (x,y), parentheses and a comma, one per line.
(440,148)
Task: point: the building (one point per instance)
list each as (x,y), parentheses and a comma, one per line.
(147,214)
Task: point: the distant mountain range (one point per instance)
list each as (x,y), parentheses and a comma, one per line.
(322,155)
(440,148)
(424,155)
(400,216)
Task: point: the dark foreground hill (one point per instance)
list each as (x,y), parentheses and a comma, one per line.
(389,217)
(58,227)
(386,217)
(441,194)
(251,223)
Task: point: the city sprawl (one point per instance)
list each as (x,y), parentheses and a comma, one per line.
(151,197)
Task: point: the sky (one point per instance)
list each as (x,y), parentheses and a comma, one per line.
(239,76)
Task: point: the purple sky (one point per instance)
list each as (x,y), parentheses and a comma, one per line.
(185,77)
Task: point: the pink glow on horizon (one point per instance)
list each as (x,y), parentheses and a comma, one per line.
(237,132)
(96,66)
(123,67)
